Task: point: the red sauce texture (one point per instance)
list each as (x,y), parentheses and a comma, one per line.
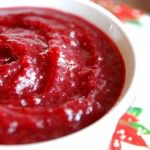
(58,74)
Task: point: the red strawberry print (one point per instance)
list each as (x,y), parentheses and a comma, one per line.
(129,130)
(128,118)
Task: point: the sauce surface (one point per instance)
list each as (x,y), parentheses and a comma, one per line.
(58,74)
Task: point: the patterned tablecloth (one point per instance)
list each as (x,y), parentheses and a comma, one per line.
(133,129)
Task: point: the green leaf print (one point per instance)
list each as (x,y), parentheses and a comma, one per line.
(135,22)
(135,111)
(140,128)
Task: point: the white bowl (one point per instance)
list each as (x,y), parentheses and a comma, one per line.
(98,135)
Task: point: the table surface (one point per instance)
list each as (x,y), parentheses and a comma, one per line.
(140,4)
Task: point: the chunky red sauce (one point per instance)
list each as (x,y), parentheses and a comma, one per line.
(58,74)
